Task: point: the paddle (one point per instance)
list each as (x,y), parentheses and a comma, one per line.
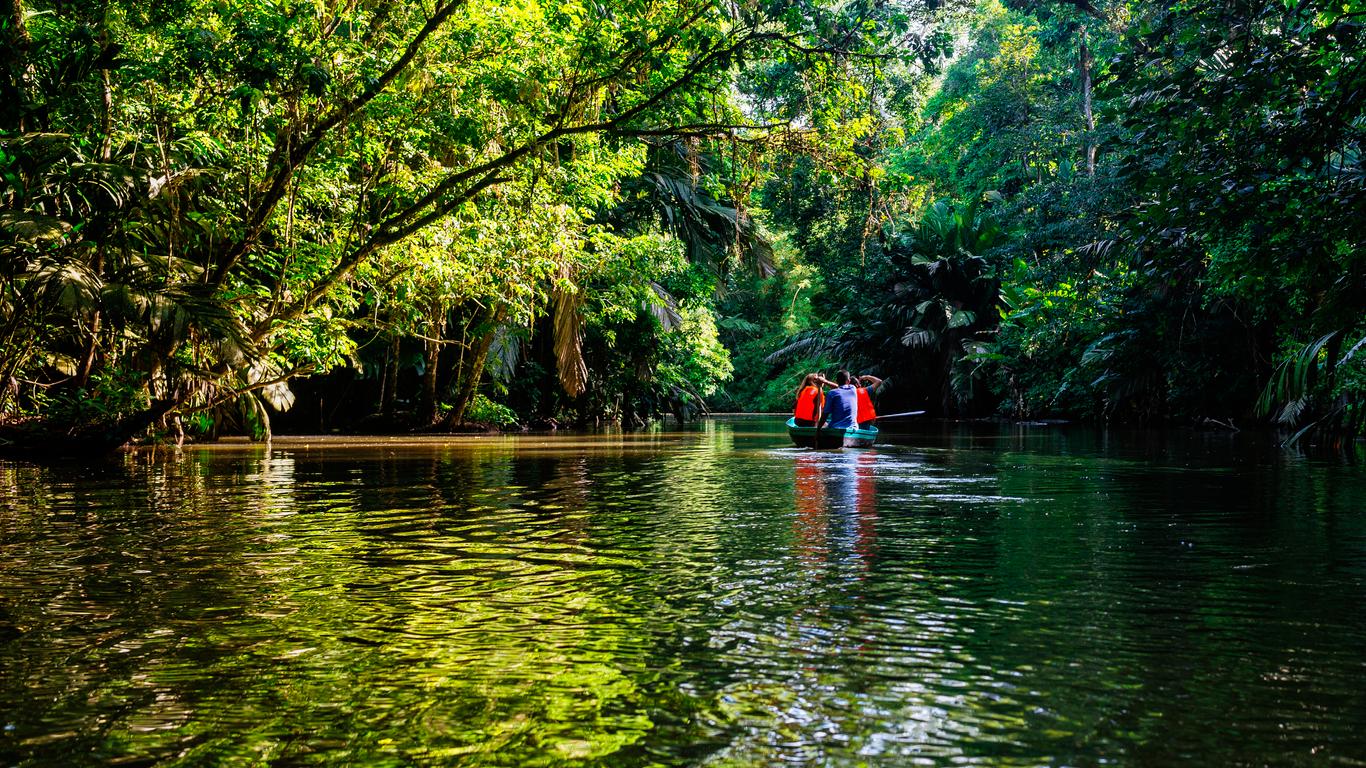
(894,415)
(819,414)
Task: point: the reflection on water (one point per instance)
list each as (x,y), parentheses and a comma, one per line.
(702,597)
(836,506)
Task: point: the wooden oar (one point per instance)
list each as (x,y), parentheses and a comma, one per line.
(894,415)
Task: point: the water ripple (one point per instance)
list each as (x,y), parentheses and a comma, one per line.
(710,597)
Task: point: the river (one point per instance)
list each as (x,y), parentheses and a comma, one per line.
(709,596)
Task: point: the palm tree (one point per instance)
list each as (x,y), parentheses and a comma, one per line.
(1300,394)
(99,279)
(940,305)
(948,299)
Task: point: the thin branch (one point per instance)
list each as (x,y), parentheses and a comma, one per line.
(463,186)
(287,156)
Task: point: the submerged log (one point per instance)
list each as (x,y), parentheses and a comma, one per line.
(43,439)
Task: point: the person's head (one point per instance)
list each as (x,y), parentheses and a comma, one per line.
(842,378)
(811,380)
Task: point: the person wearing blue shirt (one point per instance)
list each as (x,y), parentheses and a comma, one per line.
(841,403)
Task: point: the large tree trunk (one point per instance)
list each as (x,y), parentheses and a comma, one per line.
(1086,62)
(471,373)
(426,398)
(430,375)
(542,342)
(472,368)
(14,45)
(436,337)
(87,362)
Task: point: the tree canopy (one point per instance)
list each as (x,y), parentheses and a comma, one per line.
(408,214)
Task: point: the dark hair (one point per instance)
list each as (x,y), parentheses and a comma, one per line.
(842,378)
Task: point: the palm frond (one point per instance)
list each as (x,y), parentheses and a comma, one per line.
(740,325)
(1291,412)
(179,310)
(919,338)
(961,318)
(68,282)
(663,308)
(1099,351)
(1097,249)
(1293,377)
(809,344)
(40,149)
(31,228)
(568,321)
(278,395)
(711,229)
(1347,357)
(505,351)
(108,185)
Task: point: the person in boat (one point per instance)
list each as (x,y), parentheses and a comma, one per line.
(810,400)
(841,403)
(866,415)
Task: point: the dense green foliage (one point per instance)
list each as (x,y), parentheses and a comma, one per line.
(1170,199)
(208,202)
(406,215)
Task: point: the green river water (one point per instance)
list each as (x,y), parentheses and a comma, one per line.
(711,596)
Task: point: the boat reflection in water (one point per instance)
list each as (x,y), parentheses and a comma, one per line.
(836,499)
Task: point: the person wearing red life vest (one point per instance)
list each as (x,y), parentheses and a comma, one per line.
(866,414)
(810,400)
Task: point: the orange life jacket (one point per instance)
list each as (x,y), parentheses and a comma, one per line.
(806,403)
(865,406)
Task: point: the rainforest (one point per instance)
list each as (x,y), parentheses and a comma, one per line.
(239,216)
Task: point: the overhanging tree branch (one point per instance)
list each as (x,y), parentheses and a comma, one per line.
(291,151)
(465,185)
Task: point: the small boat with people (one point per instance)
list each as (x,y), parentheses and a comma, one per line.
(829,437)
(844,419)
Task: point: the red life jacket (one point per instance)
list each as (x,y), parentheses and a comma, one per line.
(806,403)
(865,406)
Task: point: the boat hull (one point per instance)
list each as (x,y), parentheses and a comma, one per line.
(825,437)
